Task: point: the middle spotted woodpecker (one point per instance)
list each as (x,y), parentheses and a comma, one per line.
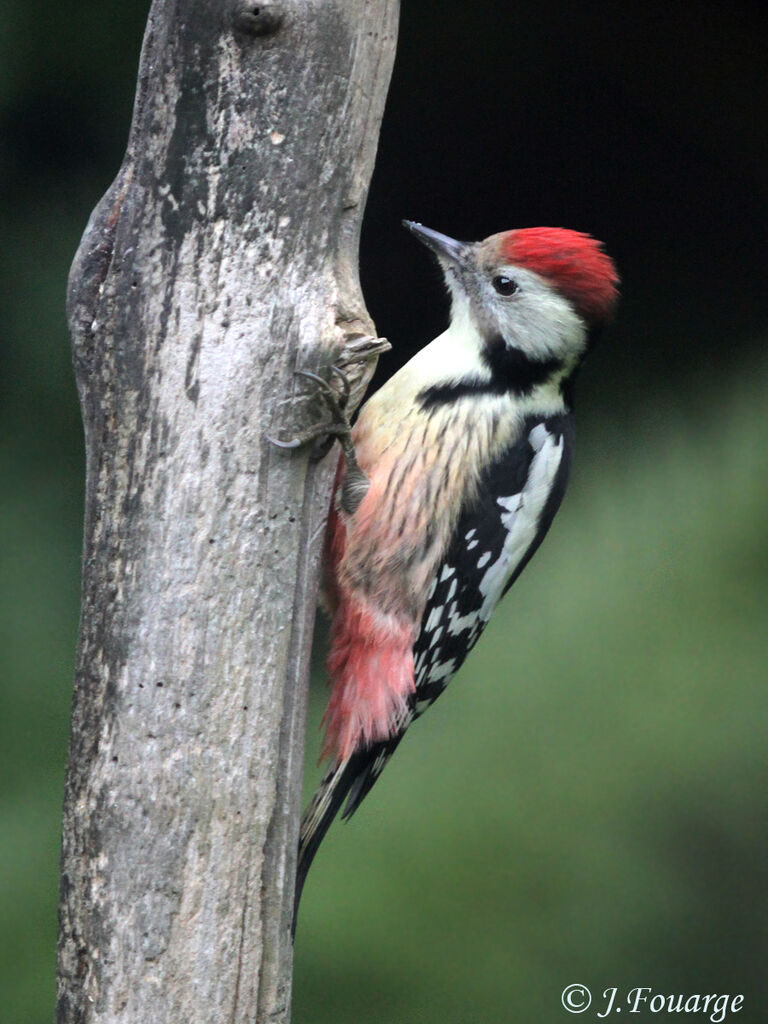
(455,469)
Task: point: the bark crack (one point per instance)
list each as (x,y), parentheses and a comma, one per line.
(241,947)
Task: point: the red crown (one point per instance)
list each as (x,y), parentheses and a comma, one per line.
(572,261)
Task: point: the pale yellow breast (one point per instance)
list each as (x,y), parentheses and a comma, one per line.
(422,468)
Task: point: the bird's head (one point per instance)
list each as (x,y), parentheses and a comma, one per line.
(544,292)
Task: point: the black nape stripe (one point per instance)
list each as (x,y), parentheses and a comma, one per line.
(512,372)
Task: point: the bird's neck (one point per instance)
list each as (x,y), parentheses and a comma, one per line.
(464,363)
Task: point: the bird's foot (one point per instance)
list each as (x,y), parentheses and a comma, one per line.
(337,425)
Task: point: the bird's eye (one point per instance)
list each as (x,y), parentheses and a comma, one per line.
(504,285)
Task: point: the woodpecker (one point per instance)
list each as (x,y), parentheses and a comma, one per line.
(453,474)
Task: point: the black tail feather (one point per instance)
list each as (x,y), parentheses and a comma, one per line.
(369,773)
(318,817)
(351,780)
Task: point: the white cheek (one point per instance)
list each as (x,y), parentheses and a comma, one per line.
(538,320)
(545,325)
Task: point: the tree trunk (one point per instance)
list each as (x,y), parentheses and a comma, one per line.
(223,257)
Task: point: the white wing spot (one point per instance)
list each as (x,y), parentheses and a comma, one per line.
(441,670)
(434,617)
(539,436)
(459,623)
(484,560)
(436,636)
(448,571)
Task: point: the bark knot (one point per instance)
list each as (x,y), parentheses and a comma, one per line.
(258,17)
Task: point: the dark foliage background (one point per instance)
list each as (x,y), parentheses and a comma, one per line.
(588,802)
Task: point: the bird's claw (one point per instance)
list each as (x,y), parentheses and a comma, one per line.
(355,483)
(327,389)
(294,442)
(337,426)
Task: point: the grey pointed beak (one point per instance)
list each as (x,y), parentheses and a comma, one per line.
(443,246)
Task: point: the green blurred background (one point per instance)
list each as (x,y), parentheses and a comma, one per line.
(588,801)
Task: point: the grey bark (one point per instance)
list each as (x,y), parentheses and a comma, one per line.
(223,257)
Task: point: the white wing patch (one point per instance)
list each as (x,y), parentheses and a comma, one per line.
(521,515)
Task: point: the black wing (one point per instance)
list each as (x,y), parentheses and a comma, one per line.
(494,539)
(493,542)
